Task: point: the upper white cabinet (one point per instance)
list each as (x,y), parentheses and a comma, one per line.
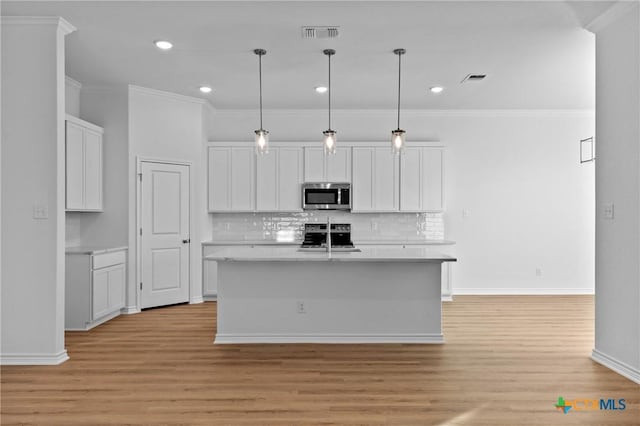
(376,178)
(83,165)
(421,179)
(278,180)
(231,179)
(319,167)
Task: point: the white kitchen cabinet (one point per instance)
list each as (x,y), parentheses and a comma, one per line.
(421,180)
(83,153)
(95,287)
(278,179)
(376,180)
(231,179)
(319,167)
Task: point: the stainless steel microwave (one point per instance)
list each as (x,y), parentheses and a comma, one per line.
(326,196)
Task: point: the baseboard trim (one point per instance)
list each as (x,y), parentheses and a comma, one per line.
(210,298)
(619,367)
(447,298)
(128,310)
(34,359)
(196,300)
(328,338)
(531,291)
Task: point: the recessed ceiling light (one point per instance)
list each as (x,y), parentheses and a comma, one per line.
(436,89)
(321,89)
(205,89)
(163,44)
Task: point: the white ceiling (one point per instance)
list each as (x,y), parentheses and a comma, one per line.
(536,54)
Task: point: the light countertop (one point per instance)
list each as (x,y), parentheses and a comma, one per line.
(297,243)
(368,254)
(93,250)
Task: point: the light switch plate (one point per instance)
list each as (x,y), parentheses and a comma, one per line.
(40,211)
(607,211)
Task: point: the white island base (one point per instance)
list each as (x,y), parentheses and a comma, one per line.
(281,296)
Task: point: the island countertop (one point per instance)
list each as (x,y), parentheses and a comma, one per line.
(367,254)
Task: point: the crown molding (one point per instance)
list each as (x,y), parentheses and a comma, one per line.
(167,95)
(414,113)
(74,83)
(611,15)
(57,21)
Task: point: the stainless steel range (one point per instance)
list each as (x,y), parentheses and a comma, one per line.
(316,237)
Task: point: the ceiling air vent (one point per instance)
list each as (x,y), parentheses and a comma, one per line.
(473,77)
(320,32)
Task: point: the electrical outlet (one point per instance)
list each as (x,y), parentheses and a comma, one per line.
(302,308)
(607,211)
(538,271)
(465,213)
(40,211)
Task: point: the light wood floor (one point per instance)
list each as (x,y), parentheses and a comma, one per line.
(506,361)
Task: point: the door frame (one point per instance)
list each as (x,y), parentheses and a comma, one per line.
(138,250)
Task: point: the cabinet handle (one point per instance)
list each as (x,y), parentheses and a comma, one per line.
(187,241)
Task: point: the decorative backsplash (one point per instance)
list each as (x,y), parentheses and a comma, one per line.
(290,226)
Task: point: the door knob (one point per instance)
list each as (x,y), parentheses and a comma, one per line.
(187,241)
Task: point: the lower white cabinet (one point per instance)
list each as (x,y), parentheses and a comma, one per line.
(95,288)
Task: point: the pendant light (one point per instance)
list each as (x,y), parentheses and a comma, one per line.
(398,135)
(330,137)
(262,135)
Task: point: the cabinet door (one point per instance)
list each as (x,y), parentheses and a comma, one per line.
(92,170)
(314,170)
(385,180)
(267,181)
(338,166)
(242,179)
(290,179)
(219,179)
(116,284)
(363,179)
(432,179)
(74,167)
(210,278)
(410,180)
(100,294)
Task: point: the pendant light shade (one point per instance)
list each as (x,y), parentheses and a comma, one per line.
(330,136)
(398,135)
(262,135)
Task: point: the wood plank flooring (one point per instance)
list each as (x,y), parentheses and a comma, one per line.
(505,362)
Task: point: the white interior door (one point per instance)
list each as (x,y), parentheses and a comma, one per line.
(165,234)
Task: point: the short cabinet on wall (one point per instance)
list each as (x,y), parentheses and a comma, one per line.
(421,179)
(278,180)
(231,179)
(83,165)
(376,180)
(319,167)
(95,288)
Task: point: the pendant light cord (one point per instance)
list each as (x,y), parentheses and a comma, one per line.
(399,69)
(260,73)
(329,91)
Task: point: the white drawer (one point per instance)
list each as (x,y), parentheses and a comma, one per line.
(108,259)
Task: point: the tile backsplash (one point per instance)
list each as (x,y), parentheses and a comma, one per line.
(290,226)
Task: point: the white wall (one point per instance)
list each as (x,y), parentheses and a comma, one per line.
(617,339)
(165,126)
(108,108)
(33,113)
(72,96)
(530,203)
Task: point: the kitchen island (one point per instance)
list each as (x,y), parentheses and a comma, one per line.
(282,295)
